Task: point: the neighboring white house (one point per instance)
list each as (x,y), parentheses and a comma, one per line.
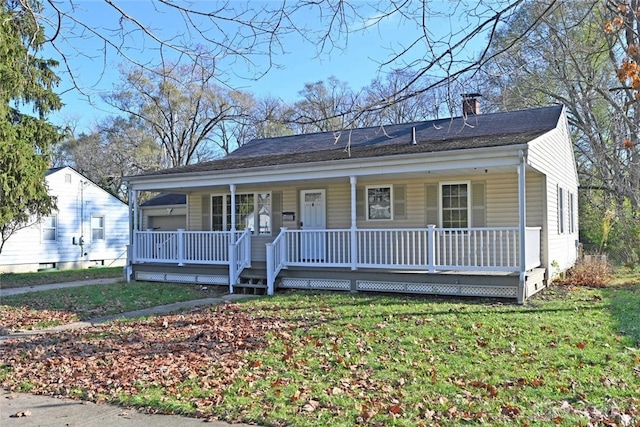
(89,228)
(481,204)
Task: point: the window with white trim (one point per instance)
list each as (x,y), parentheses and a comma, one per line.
(379,203)
(49,228)
(253,212)
(560,210)
(97,228)
(572,223)
(454,211)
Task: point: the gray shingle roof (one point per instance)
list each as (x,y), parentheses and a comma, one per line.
(485,130)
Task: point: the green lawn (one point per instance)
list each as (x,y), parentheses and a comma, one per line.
(16,280)
(569,356)
(49,308)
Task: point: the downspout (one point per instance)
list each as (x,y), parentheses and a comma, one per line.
(522,215)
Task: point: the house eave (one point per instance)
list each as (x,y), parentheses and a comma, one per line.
(485,157)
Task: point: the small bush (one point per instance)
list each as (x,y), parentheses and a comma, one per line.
(594,274)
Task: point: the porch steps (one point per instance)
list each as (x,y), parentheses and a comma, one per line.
(254,284)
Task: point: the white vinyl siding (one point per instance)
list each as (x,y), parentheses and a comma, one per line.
(552,156)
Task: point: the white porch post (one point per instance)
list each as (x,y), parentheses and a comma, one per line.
(232,239)
(133,204)
(522,226)
(133,227)
(232,189)
(353,234)
(270,268)
(180,247)
(431,248)
(233,265)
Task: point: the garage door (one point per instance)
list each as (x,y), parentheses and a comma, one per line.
(167,222)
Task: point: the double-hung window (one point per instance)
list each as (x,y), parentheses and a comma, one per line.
(49,227)
(97,228)
(561,212)
(572,224)
(252,211)
(455,204)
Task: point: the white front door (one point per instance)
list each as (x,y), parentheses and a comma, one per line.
(313,216)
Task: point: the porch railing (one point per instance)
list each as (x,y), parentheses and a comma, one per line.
(182,247)
(430,249)
(240,259)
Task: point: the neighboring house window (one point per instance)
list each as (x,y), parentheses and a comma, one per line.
(455,204)
(572,224)
(253,212)
(379,204)
(97,228)
(560,210)
(49,227)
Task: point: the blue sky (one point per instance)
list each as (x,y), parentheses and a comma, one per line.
(357,64)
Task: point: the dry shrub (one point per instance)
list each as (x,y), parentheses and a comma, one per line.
(594,274)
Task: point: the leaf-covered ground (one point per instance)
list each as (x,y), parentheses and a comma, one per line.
(38,310)
(13,319)
(568,357)
(204,348)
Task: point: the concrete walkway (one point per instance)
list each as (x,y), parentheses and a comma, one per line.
(39,288)
(26,410)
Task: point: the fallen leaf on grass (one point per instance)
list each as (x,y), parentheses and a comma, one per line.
(311,405)
(510,410)
(395,409)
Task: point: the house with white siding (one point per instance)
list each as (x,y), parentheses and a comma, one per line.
(90,228)
(478,205)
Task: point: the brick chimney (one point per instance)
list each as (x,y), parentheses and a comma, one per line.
(470,104)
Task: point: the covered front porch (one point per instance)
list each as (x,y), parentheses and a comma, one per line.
(449,225)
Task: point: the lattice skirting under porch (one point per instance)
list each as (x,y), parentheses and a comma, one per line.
(204,279)
(401,287)
(437,289)
(320,284)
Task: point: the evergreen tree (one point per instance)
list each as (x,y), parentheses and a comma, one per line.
(26,142)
